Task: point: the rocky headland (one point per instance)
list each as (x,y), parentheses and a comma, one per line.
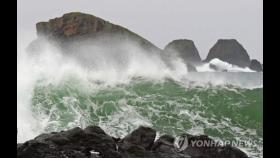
(76,26)
(79,35)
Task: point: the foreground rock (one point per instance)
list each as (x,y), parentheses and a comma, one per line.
(93,142)
(256,65)
(231,51)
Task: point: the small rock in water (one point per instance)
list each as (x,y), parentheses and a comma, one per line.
(256,65)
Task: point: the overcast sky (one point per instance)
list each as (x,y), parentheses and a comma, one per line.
(161,21)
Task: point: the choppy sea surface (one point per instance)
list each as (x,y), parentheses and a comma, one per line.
(55,94)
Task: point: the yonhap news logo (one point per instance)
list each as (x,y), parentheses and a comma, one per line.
(183,142)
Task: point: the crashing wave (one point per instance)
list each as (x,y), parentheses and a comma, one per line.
(217,65)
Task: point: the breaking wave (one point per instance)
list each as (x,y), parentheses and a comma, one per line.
(56,92)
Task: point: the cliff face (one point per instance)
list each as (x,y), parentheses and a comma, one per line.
(231,51)
(184,49)
(76,26)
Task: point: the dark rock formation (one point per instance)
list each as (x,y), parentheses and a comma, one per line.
(231,51)
(256,65)
(76,143)
(90,40)
(184,49)
(76,27)
(143,136)
(93,142)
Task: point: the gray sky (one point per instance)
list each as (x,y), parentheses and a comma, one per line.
(161,21)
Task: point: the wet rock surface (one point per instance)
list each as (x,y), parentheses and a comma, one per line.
(93,142)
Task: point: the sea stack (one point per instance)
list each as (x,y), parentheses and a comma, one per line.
(186,50)
(256,65)
(231,51)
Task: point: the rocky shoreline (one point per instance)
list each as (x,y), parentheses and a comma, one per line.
(93,142)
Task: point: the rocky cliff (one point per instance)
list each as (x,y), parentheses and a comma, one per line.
(231,51)
(75,26)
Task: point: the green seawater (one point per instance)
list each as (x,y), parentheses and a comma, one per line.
(226,113)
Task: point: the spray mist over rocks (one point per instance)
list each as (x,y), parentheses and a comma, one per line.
(95,66)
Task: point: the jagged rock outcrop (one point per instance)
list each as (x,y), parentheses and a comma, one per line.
(184,49)
(76,26)
(231,51)
(93,142)
(256,65)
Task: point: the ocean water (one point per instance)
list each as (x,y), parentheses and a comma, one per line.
(56,93)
